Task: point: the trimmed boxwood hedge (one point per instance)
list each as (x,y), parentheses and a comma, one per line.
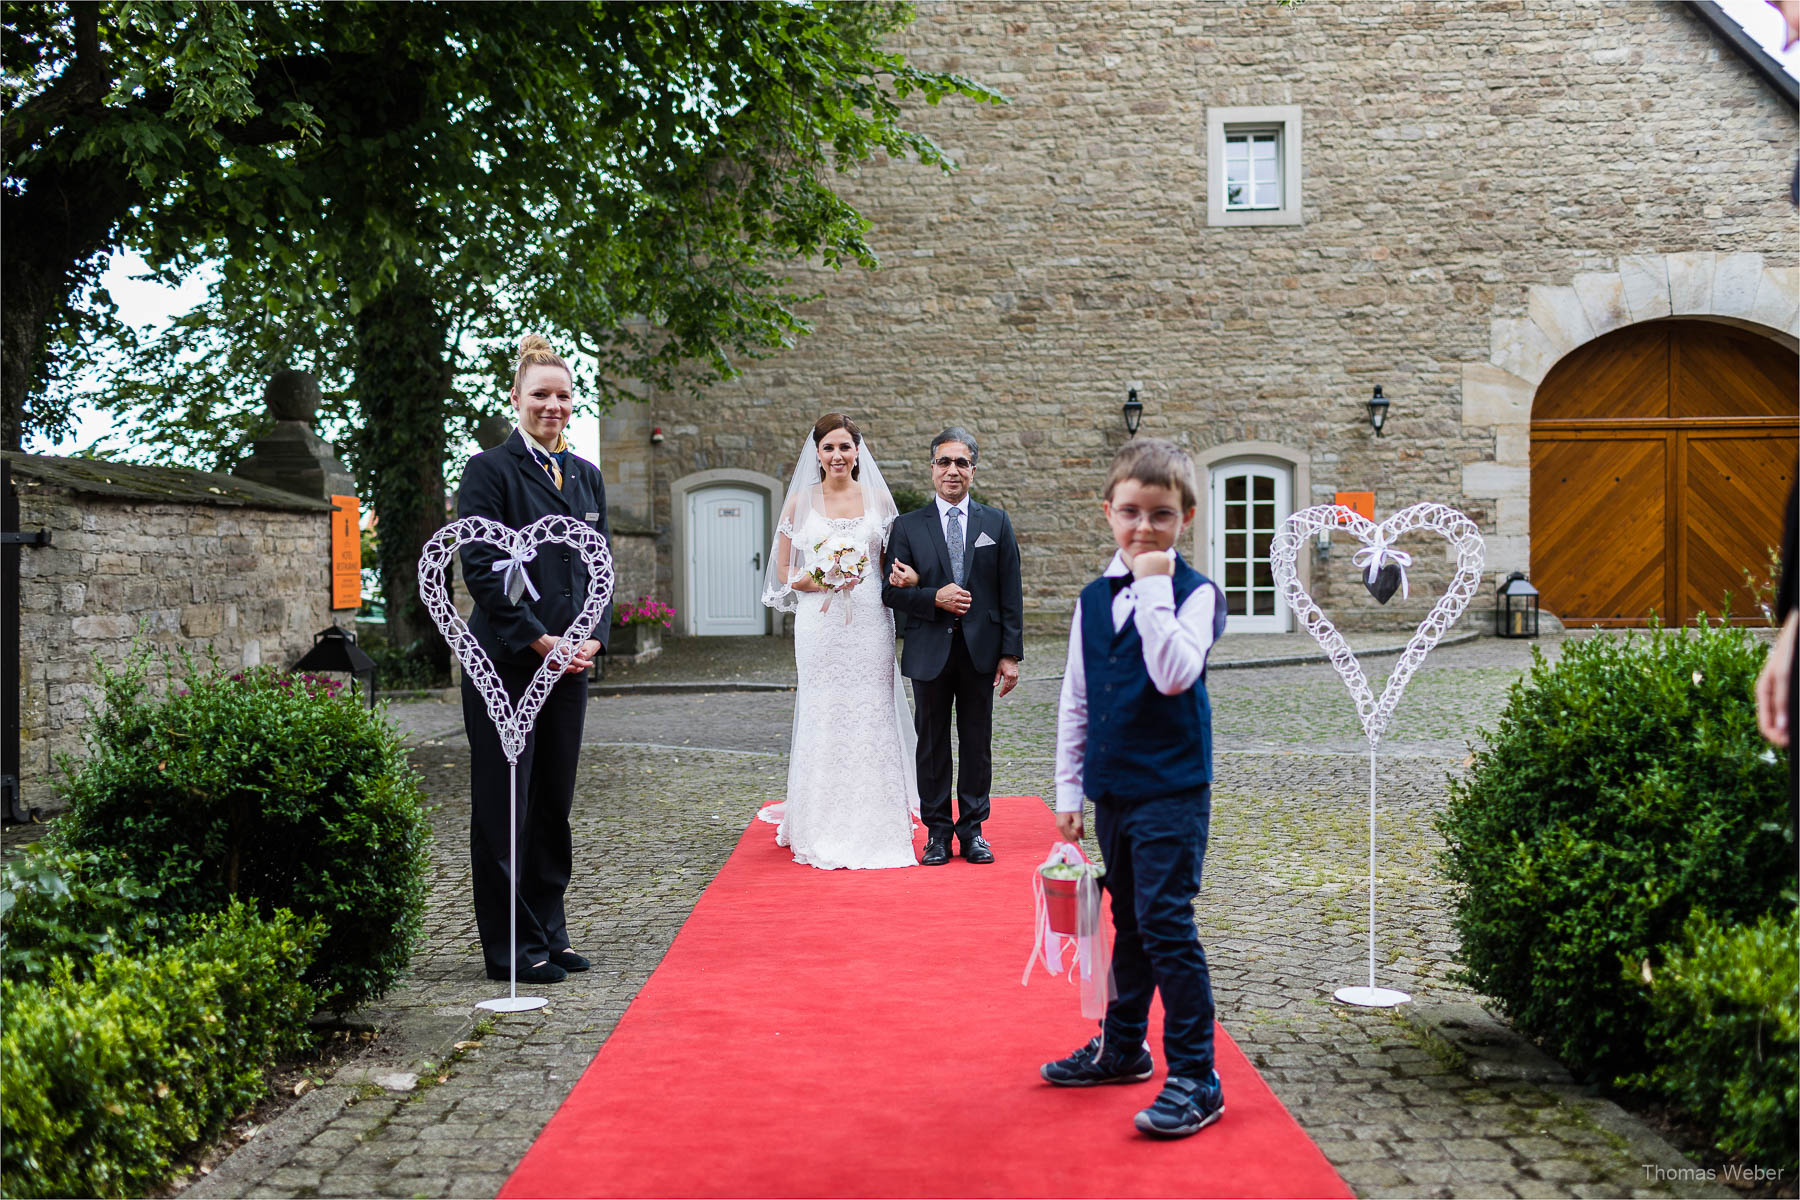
(259,786)
(105,1079)
(1725,1009)
(1624,790)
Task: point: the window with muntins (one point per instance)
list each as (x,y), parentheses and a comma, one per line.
(1252,168)
(1253,174)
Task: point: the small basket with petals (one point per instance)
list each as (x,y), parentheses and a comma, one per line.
(1066,890)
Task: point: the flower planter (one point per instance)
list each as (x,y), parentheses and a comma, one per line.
(635,643)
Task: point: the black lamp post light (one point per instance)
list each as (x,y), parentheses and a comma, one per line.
(1516,607)
(1378,410)
(1134,411)
(335,649)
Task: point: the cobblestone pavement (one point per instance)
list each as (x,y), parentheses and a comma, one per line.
(668,783)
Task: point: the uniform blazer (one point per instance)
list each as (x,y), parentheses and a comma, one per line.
(507,485)
(994,626)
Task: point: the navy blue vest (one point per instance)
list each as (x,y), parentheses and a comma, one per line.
(1140,743)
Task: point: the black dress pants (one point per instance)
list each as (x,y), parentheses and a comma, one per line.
(546,793)
(970,692)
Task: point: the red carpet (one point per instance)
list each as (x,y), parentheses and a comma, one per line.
(839,1033)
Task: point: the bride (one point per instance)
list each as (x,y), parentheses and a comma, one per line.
(851,797)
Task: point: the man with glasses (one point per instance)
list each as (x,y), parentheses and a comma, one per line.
(965,635)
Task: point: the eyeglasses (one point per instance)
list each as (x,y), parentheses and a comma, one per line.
(961,464)
(1161,519)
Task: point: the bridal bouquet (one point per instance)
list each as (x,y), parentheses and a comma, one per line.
(838,562)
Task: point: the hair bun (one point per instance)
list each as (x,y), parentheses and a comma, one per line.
(533,345)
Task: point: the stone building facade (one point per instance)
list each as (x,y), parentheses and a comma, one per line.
(174,559)
(1468,193)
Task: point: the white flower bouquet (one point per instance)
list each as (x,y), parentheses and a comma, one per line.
(838,563)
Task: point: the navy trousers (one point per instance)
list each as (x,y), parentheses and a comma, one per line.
(970,692)
(546,795)
(1154,851)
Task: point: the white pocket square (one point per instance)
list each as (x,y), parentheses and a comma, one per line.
(983,540)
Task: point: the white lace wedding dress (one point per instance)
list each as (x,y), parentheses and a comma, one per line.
(850,795)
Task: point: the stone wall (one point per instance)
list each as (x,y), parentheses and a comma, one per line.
(244,573)
(1458,161)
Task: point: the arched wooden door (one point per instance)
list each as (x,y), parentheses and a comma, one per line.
(1661,457)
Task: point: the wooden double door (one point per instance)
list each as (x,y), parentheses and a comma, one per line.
(1661,458)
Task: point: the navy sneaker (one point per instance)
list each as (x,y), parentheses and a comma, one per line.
(1093,1064)
(1183,1107)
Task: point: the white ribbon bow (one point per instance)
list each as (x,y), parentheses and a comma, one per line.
(515,568)
(1371,557)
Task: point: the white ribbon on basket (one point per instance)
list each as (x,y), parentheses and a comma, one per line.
(1090,960)
(1371,557)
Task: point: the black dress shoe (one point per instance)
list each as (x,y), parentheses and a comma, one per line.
(937,852)
(547,972)
(977,850)
(570,961)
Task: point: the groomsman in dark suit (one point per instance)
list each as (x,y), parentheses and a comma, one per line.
(965,635)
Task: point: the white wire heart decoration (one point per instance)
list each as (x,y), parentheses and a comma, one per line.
(1456,528)
(517,547)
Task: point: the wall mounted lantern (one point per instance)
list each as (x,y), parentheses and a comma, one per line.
(1134,411)
(1378,410)
(1516,607)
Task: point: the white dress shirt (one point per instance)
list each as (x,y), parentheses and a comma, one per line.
(1175,648)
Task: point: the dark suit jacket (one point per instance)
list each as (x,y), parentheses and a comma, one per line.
(994,626)
(507,485)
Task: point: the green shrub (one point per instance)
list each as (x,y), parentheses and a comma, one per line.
(279,788)
(107,1078)
(1725,1033)
(56,907)
(1623,787)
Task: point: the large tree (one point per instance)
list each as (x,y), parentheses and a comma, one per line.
(629,176)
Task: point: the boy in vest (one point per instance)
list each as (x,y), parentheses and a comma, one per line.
(1142,751)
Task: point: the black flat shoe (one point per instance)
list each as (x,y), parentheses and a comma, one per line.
(937,852)
(977,850)
(570,961)
(547,972)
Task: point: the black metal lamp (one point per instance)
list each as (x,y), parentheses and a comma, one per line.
(1378,408)
(1134,411)
(335,649)
(1516,607)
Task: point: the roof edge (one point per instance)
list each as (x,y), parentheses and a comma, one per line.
(1760,60)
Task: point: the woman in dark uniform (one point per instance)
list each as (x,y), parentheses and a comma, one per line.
(532,474)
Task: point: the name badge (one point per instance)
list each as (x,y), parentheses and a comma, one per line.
(592,517)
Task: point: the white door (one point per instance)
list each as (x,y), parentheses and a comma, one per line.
(725,564)
(1249,503)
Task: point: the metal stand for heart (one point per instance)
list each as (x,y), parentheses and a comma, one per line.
(1465,539)
(514,722)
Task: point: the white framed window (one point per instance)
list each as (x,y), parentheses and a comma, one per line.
(1253,165)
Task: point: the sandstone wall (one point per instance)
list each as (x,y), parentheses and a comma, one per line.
(1455,157)
(251,584)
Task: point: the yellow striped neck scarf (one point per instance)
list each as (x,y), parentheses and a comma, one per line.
(547,460)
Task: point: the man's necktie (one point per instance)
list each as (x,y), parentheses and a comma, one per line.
(548,462)
(954,539)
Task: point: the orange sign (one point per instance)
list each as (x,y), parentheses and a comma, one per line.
(346,553)
(1361,503)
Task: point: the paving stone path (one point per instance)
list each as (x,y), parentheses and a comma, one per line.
(669,781)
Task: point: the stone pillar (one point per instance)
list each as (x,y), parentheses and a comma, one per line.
(292,457)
